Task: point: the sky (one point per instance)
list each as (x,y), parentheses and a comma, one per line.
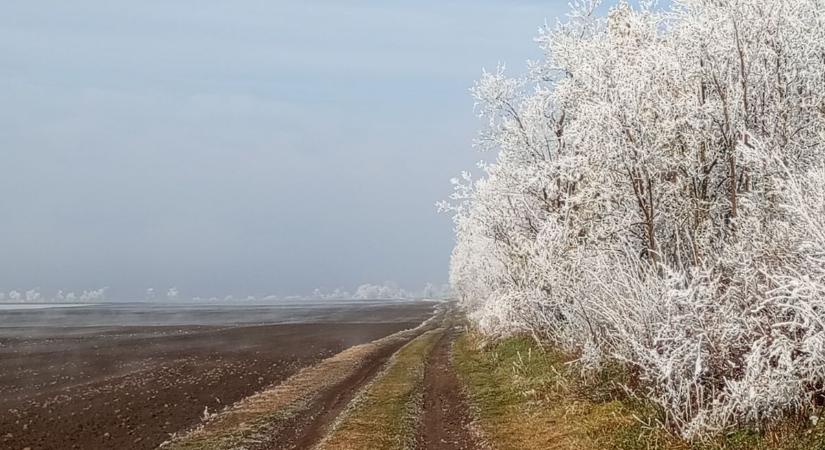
(245,147)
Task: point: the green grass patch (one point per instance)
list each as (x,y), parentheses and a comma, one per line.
(384,416)
(525,397)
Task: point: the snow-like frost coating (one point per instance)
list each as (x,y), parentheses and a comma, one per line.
(658,201)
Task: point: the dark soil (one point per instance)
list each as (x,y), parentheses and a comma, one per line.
(446,421)
(130,387)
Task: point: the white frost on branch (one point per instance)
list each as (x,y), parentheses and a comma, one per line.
(36,296)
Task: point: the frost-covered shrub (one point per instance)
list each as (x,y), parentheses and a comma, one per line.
(658,200)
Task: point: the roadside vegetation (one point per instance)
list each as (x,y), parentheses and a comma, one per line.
(656,202)
(529,397)
(386,413)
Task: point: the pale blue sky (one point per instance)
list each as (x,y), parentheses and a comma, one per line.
(243,147)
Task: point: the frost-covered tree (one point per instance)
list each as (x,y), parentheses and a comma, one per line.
(658,200)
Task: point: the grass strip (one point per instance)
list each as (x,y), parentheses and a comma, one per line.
(525,397)
(384,415)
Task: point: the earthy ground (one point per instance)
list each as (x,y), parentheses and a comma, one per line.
(305,430)
(299,412)
(446,424)
(131,387)
(398,392)
(385,413)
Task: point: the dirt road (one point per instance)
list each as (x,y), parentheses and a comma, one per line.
(307,428)
(446,421)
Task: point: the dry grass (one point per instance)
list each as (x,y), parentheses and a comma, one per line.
(384,415)
(525,398)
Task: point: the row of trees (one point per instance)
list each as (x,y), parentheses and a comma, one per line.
(35,296)
(658,201)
